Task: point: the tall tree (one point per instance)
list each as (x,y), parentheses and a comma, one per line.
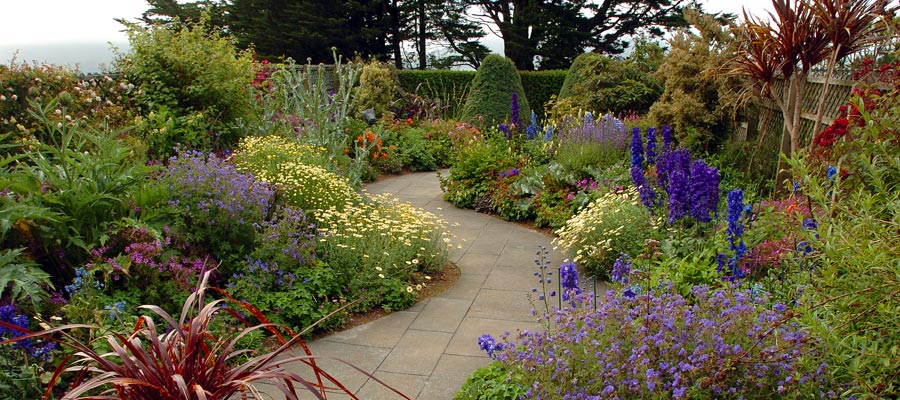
(558,30)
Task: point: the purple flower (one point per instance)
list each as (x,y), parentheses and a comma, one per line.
(704,191)
(568,280)
(637,148)
(645,191)
(651,146)
(488,344)
(667,138)
(832,171)
(621,269)
(506,131)
(514,118)
(678,195)
(509,173)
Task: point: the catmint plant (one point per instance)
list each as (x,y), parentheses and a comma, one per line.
(715,344)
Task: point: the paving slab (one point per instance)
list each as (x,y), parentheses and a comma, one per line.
(509,305)
(417,352)
(442,315)
(384,332)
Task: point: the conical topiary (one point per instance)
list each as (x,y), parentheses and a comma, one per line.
(490,98)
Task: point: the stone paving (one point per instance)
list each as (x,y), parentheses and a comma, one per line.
(429,350)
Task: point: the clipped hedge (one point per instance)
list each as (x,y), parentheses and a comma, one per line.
(540,85)
(489,101)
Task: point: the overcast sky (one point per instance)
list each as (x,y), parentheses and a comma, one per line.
(45,30)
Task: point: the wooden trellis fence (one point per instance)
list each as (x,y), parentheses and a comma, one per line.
(767,128)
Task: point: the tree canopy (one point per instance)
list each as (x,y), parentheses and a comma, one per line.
(545,34)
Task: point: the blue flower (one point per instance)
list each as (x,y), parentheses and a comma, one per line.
(637,148)
(488,344)
(651,146)
(548,135)
(568,280)
(832,171)
(533,128)
(621,269)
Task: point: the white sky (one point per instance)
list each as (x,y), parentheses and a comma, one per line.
(26,23)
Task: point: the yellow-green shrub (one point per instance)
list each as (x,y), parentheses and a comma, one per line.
(378,86)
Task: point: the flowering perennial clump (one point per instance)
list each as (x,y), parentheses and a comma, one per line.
(613,224)
(721,344)
(735,234)
(692,188)
(380,232)
(607,131)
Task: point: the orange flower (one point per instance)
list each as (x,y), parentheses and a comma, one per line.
(346,151)
(409,121)
(384,156)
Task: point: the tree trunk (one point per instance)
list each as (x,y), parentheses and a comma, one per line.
(396,40)
(423,19)
(826,86)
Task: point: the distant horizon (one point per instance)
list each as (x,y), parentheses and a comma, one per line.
(86,56)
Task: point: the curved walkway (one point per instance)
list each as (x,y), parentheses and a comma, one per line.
(429,350)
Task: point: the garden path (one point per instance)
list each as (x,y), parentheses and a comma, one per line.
(429,350)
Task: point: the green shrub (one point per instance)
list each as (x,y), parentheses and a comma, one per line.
(577,73)
(491,382)
(414,152)
(490,98)
(601,84)
(191,71)
(540,86)
(71,189)
(476,164)
(851,296)
(378,87)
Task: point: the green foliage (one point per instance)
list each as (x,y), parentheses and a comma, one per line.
(577,73)
(414,152)
(489,101)
(192,73)
(435,93)
(601,84)
(540,86)
(851,299)
(699,100)
(476,164)
(78,183)
(318,113)
(164,132)
(378,87)
(491,382)
(20,280)
(24,380)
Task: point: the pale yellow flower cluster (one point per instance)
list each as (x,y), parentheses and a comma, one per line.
(589,236)
(257,153)
(292,168)
(383,232)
